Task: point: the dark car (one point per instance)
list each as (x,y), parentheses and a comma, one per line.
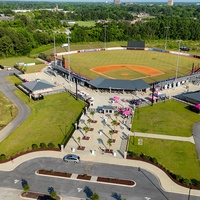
(71,158)
(184,48)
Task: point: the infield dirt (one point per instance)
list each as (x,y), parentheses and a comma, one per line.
(142,69)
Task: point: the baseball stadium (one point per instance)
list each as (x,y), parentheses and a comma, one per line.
(122,66)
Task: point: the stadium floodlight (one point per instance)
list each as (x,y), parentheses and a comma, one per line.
(167,29)
(177,63)
(68,49)
(105,26)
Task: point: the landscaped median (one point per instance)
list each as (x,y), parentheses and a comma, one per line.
(35,195)
(86,177)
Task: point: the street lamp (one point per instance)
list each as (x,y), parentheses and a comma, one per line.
(189,191)
(54,39)
(105,26)
(177,63)
(68,50)
(69,57)
(167,29)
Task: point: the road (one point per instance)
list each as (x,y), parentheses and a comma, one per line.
(23,110)
(147,186)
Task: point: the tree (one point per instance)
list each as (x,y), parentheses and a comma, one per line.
(79,140)
(116,115)
(95,196)
(53,194)
(86,129)
(26,187)
(114,123)
(111,133)
(92,114)
(109,143)
(89,121)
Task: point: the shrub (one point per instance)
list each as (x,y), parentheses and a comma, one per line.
(142,155)
(153,160)
(34,146)
(95,196)
(185,181)
(26,188)
(2,157)
(195,182)
(132,154)
(53,194)
(43,145)
(51,145)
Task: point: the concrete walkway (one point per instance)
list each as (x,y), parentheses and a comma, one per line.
(166,137)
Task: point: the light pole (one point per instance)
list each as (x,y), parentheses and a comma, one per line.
(177,63)
(54,38)
(167,29)
(105,26)
(189,192)
(69,57)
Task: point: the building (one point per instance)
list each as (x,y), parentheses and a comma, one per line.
(114,85)
(117,2)
(170,2)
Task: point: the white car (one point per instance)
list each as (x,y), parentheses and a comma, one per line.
(71,158)
(90,99)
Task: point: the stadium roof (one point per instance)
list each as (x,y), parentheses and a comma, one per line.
(102,83)
(37,85)
(193,95)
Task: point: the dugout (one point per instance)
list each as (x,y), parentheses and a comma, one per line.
(135,45)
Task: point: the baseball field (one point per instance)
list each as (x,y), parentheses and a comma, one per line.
(126,64)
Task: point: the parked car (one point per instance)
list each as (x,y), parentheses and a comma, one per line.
(71,158)
(90,99)
(184,48)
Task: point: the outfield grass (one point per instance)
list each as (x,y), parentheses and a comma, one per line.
(168,118)
(49,121)
(178,157)
(83,62)
(8,111)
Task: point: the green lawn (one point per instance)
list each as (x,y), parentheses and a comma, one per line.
(178,157)
(86,23)
(10,62)
(169,118)
(8,111)
(35,68)
(50,119)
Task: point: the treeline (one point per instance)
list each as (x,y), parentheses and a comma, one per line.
(38,27)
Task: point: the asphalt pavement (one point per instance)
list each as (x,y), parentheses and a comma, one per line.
(23,110)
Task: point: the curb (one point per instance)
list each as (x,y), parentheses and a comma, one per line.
(92,179)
